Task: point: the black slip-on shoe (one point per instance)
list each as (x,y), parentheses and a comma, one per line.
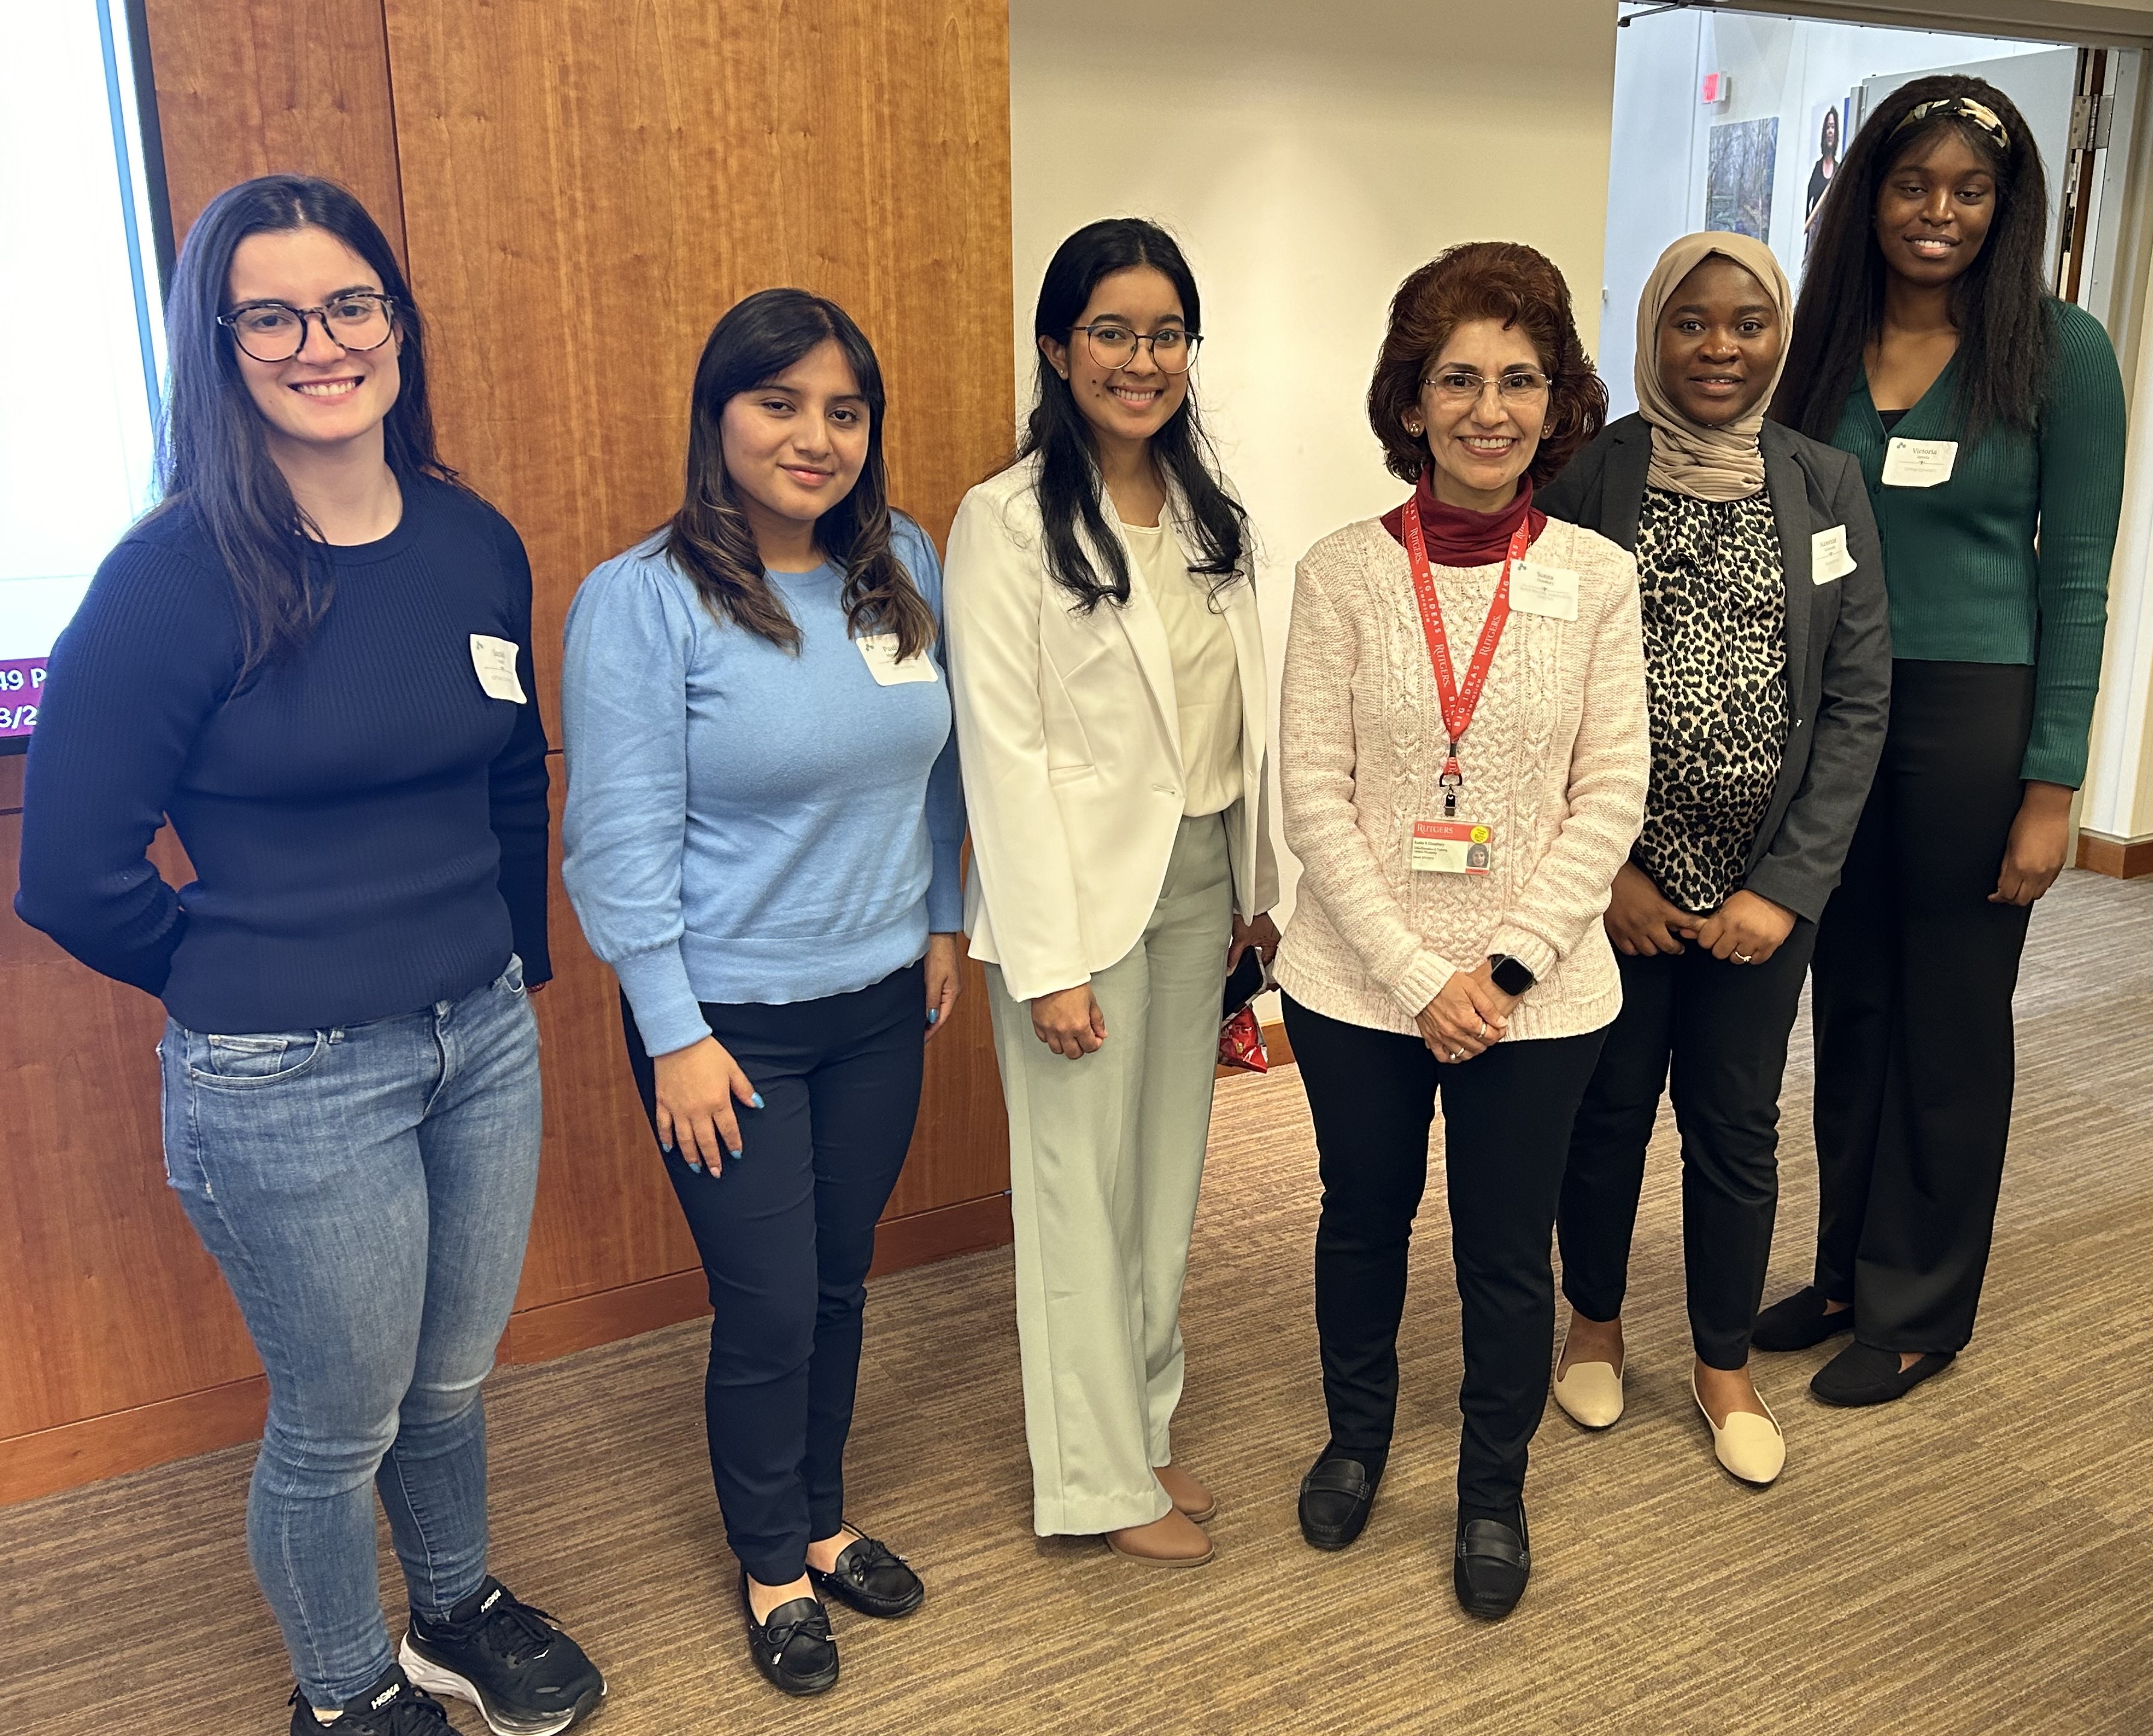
(392,1707)
(1862,1374)
(793,1649)
(1494,1561)
(1336,1496)
(1797,1321)
(508,1658)
(873,1578)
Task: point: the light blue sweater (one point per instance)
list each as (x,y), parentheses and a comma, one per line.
(743,823)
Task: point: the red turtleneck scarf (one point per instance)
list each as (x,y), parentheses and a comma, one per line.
(1458,536)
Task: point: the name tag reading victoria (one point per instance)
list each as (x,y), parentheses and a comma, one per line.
(880,651)
(1918,463)
(1452,846)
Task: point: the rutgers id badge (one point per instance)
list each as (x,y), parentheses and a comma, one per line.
(1452,846)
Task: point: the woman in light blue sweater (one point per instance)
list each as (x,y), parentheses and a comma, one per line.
(763,828)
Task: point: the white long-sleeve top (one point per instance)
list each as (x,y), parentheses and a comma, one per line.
(1555,764)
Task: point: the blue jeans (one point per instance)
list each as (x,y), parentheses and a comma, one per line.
(367,1191)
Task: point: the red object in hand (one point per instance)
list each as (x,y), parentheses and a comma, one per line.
(1241,1043)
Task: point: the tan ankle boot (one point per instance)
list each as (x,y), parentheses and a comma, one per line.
(1186,1492)
(1172,1541)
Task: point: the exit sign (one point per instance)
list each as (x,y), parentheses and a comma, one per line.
(1713,90)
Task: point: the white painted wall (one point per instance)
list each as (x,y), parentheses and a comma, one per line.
(1308,158)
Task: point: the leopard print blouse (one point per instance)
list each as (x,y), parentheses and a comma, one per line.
(1714,599)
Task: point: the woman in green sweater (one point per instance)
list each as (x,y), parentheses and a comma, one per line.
(1988,418)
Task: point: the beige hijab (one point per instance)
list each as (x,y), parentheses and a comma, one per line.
(1712,464)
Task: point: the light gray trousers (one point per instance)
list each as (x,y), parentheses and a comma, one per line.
(1106,1158)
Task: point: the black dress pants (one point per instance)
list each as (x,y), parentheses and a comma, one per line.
(1912,999)
(786,1233)
(1506,1119)
(1724,1028)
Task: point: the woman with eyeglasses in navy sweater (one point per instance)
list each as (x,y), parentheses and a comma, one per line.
(314,656)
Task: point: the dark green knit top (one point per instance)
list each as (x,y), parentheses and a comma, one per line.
(2007,561)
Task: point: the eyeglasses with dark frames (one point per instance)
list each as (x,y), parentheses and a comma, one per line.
(1114,345)
(361,320)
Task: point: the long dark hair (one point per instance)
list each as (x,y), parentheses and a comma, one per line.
(2000,303)
(213,455)
(710,537)
(1068,470)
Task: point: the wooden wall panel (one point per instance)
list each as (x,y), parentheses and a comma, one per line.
(108,1300)
(589,187)
(259,87)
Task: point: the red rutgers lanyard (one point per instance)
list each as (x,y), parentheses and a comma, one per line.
(1458,703)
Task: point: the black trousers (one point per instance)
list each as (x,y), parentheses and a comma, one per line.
(1912,1000)
(1723,1027)
(787,1234)
(1506,1117)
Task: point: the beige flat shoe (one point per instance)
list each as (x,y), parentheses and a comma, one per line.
(1173,1539)
(1186,1492)
(1750,1448)
(1590,1393)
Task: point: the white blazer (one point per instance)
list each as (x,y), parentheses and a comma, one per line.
(1071,746)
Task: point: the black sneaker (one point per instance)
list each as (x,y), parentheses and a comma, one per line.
(392,1707)
(513,1662)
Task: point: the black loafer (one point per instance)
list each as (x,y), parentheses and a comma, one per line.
(1336,1496)
(873,1578)
(1862,1374)
(793,1649)
(1493,1562)
(1798,1321)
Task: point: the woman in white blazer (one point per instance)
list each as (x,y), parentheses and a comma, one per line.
(1108,671)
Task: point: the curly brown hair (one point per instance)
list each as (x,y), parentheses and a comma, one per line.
(1502,280)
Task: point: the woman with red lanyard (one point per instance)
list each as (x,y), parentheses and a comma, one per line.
(1464,755)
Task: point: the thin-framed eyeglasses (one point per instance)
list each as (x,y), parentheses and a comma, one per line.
(276,331)
(1514,385)
(1114,345)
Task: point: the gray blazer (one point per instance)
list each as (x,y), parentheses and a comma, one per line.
(1838,642)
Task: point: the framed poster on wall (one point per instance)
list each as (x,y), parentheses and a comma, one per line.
(1737,191)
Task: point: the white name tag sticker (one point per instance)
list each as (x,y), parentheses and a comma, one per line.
(1918,463)
(495,661)
(1452,846)
(1828,557)
(1538,590)
(879,650)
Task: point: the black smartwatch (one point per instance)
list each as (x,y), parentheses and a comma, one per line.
(1508,975)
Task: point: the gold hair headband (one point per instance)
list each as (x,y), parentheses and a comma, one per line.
(1964,108)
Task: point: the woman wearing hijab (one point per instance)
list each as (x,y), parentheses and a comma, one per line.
(1768,675)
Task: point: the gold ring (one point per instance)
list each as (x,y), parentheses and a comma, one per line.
(1457,1055)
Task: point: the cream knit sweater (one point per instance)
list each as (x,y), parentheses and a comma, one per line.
(1556,762)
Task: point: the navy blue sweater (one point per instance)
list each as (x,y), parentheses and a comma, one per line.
(366,826)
